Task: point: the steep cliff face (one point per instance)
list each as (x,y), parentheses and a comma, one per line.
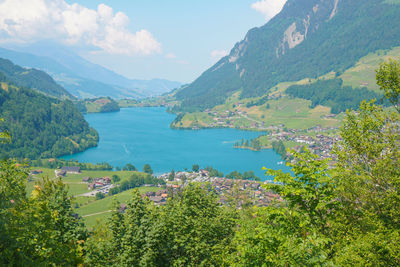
(307,38)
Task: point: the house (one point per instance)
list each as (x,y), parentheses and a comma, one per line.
(107,180)
(99,184)
(72,170)
(86,179)
(91,186)
(150,194)
(60,173)
(157,200)
(36,172)
(122,208)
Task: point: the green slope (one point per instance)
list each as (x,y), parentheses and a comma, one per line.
(41,126)
(333,39)
(33,78)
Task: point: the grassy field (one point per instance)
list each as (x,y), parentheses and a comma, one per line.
(74,181)
(88,207)
(363,73)
(92,210)
(293,113)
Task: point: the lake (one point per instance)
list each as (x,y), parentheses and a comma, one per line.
(142,135)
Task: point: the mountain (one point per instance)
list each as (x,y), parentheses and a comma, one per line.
(81,77)
(32,78)
(41,126)
(307,39)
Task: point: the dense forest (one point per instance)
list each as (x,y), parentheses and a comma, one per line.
(264,58)
(341,212)
(333,94)
(32,78)
(41,126)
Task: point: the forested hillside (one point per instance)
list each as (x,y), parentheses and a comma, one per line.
(32,78)
(41,126)
(307,39)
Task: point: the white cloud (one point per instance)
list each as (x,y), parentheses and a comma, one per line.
(218,54)
(26,21)
(170,56)
(269,8)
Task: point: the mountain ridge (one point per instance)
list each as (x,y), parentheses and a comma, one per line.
(305,40)
(33,78)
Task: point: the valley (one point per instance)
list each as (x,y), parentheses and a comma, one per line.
(282,151)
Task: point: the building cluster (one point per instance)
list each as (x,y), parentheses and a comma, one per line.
(240,192)
(200,176)
(321,144)
(98,182)
(98,185)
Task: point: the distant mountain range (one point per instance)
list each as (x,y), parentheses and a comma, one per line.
(82,78)
(307,39)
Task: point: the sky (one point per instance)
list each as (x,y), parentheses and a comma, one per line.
(169,39)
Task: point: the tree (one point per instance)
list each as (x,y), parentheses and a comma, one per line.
(147,169)
(100,195)
(39,229)
(129,167)
(116,178)
(171,176)
(369,177)
(388,78)
(195,167)
(4,135)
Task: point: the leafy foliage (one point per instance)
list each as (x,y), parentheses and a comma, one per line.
(190,230)
(388,78)
(40,229)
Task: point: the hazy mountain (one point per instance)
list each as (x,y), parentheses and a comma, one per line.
(81,77)
(307,39)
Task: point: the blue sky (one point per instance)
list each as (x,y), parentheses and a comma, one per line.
(171,39)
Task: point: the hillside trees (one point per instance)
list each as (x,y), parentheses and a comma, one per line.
(42,126)
(40,229)
(388,78)
(190,230)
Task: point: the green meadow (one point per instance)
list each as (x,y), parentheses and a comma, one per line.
(89,208)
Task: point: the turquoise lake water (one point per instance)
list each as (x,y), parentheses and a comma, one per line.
(142,135)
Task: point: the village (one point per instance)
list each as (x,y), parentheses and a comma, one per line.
(239,192)
(319,140)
